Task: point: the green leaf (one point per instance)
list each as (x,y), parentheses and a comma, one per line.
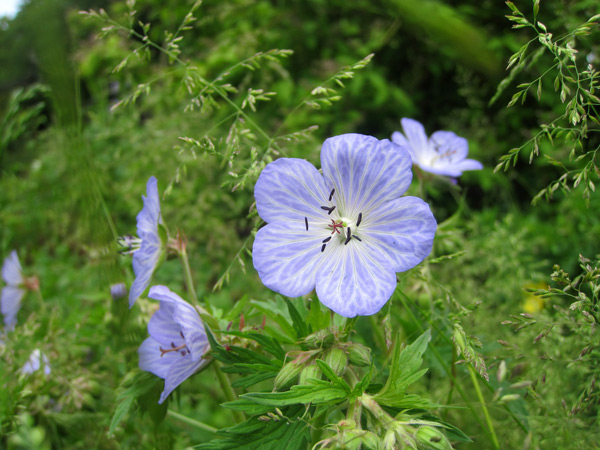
(298,321)
(316,391)
(404,369)
(318,318)
(288,432)
(329,373)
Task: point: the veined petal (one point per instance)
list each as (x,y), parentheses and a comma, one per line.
(415,134)
(152,360)
(11,270)
(365,171)
(469,164)
(403,229)
(355,281)
(186,316)
(178,373)
(291,189)
(146,258)
(10,303)
(287,259)
(163,328)
(448,143)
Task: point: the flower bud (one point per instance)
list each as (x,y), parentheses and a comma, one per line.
(336,359)
(319,339)
(309,372)
(430,438)
(359,355)
(287,375)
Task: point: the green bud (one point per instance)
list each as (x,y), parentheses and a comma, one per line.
(336,359)
(319,339)
(430,438)
(308,372)
(359,355)
(287,375)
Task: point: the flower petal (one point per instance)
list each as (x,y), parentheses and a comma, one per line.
(287,259)
(33,363)
(415,134)
(365,171)
(163,328)
(146,258)
(152,359)
(290,189)
(448,143)
(355,281)
(186,316)
(179,371)
(10,303)
(469,164)
(403,229)
(11,270)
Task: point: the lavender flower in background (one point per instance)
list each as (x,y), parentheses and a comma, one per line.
(118,291)
(13,292)
(34,363)
(177,341)
(147,249)
(346,232)
(444,153)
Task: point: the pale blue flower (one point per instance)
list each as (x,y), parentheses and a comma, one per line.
(13,292)
(346,231)
(177,341)
(147,256)
(444,153)
(34,363)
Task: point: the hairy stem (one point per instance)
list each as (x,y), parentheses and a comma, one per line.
(192,422)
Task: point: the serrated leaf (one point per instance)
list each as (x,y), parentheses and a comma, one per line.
(297,320)
(316,392)
(289,432)
(329,373)
(404,369)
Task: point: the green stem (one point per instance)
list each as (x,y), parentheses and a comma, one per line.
(227,390)
(192,422)
(486,413)
(187,271)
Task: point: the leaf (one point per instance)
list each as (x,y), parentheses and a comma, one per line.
(404,369)
(329,373)
(298,321)
(289,432)
(316,392)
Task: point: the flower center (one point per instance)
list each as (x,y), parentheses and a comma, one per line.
(182,349)
(129,243)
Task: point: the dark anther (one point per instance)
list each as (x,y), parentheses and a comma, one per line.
(327,239)
(183,353)
(323,248)
(331,195)
(359,219)
(349,236)
(329,209)
(173,344)
(356,237)
(306,222)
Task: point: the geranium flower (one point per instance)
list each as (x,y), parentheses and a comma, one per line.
(177,341)
(34,363)
(147,249)
(13,292)
(346,231)
(444,153)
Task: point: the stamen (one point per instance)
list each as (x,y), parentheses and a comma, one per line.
(349,236)
(327,239)
(356,237)
(306,222)
(331,195)
(359,219)
(174,349)
(329,209)
(323,248)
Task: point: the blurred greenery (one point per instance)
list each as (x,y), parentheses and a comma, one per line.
(89,110)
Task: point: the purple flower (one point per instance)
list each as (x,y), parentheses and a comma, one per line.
(34,363)
(177,341)
(147,256)
(444,153)
(13,292)
(346,231)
